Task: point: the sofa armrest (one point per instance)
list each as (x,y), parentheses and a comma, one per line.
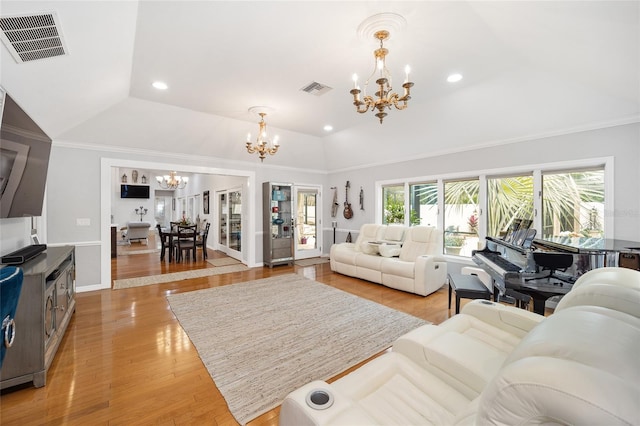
(558,391)
(430,274)
(508,318)
(296,412)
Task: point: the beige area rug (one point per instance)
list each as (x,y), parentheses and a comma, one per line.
(132,252)
(262,339)
(312,261)
(223,261)
(177,276)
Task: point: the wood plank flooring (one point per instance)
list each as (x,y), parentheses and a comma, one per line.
(125,360)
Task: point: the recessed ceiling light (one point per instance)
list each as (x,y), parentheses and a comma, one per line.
(328,128)
(160,85)
(453,78)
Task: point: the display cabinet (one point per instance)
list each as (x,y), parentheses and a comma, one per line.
(46,305)
(277,223)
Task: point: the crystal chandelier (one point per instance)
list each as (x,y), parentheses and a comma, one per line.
(384,98)
(263,144)
(172,181)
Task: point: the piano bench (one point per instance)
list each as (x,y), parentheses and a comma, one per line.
(467,287)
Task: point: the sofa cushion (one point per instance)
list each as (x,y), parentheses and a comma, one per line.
(397,267)
(369,232)
(394,233)
(368,261)
(421,240)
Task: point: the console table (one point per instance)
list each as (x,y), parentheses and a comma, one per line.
(46,305)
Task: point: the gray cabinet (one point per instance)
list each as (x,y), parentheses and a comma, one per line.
(277,223)
(47,302)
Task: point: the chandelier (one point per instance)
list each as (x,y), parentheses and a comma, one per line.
(172,181)
(384,98)
(263,145)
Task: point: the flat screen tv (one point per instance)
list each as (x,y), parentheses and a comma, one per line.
(134,191)
(24,161)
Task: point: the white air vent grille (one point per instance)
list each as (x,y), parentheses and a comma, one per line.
(316,88)
(32,37)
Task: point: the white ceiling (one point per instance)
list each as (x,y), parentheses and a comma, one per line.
(530,69)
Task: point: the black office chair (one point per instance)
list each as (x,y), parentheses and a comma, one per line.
(186,243)
(202,241)
(164,241)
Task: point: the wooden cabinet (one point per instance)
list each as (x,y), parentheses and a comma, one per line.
(46,305)
(277,224)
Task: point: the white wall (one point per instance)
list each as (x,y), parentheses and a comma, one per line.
(620,142)
(74,188)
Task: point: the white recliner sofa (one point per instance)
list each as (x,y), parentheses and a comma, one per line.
(405,258)
(496,364)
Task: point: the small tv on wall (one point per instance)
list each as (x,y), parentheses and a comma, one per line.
(134,191)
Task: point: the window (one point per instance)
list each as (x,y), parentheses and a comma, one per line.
(573,204)
(563,200)
(393,204)
(508,198)
(423,204)
(460,216)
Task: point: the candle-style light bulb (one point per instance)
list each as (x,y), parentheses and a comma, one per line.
(275,141)
(248,137)
(407,70)
(355,81)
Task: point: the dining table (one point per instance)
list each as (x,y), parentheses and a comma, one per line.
(173,233)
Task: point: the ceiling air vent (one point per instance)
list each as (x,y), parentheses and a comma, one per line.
(316,88)
(32,37)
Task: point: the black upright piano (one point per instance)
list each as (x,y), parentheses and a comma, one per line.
(546,268)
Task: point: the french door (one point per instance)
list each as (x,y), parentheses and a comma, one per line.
(230,222)
(308,223)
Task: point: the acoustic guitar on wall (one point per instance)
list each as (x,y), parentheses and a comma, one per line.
(348,212)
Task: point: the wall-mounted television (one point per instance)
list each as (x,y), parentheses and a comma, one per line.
(134,191)
(24,161)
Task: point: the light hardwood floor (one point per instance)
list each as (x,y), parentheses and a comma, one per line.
(125,360)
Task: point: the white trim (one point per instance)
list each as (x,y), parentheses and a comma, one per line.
(180,156)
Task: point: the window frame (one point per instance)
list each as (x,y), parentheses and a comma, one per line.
(536,170)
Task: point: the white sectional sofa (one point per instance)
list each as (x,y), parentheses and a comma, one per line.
(405,258)
(496,364)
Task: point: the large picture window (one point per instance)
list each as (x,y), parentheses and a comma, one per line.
(423,204)
(508,198)
(393,204)
(573,204)
(562,201)
(461,216)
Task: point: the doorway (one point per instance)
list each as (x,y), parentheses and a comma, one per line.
(106,164)
(307,242)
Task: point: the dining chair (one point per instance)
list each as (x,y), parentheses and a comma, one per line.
(186,242)
(202,241)
(164,241)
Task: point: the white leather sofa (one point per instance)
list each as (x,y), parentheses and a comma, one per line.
(405,258)
(496,364)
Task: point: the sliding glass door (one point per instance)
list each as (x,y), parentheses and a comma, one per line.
(307,222)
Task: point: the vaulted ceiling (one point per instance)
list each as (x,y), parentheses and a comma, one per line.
(530,69)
